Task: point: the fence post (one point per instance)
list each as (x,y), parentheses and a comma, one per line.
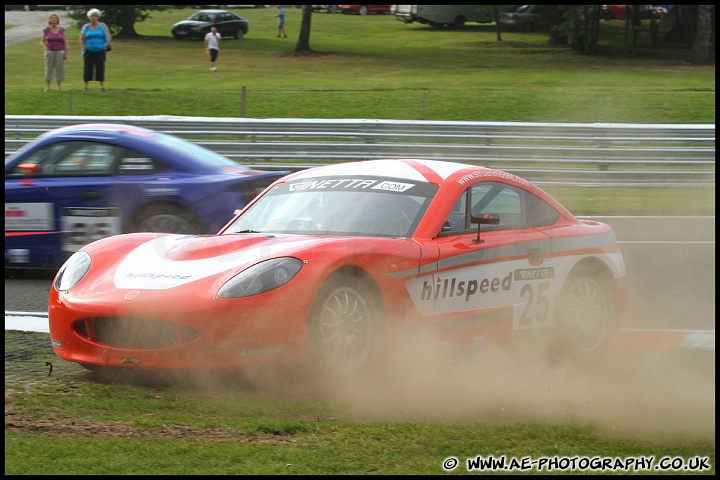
(423,105)
(242,101)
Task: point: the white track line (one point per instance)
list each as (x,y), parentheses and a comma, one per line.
(686,339)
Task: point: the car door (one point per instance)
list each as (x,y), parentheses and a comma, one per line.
(68,199)
(492,279)
(226,25)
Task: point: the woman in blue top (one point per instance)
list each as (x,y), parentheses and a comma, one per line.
(94,38)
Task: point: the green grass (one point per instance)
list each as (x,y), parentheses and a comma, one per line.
(73,423)
(635,201)
(372,67)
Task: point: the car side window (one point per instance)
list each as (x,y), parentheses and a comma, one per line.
(71,159)
(457,221)
(498,200)
(538,213)
(513,206)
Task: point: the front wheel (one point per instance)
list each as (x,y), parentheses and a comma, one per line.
(344,329)
(363,10)
(239,34)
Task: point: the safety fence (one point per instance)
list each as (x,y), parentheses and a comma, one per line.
(545,153)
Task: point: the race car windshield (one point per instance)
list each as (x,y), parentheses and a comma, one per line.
(339,206)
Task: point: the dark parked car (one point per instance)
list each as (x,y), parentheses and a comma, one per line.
(198,25)
(526,18)
(327,8)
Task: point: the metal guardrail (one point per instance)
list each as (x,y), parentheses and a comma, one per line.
(545,153)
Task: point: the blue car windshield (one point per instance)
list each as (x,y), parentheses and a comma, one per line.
(378,207)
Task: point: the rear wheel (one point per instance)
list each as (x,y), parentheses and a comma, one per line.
(167,219)
(586,319)
(363,10)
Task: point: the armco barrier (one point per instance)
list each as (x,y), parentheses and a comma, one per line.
(545,153)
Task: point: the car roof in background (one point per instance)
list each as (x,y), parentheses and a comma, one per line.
(110,130)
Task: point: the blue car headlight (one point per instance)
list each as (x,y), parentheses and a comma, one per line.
(262,277)
(72,271)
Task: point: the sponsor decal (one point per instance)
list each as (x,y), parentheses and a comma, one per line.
(161,192)
(244,352)
(393,186)
(351,184)
(18,255)
(491,174)
(130,296)
(452,287)
(136,164)
(55,343)
(527,291)
(534,273)
(156,276)
(29,216)
(81,226)
(449,287)
(133,360)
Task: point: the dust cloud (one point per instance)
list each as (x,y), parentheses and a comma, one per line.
(660,394)
(645,395)
(663,396)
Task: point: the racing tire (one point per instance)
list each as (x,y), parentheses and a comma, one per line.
(344,329)
(167,219)
(585,318)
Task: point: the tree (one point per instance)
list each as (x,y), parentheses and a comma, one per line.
(120,19)
(303,43)
(704,44)
(554,18)
(581,27)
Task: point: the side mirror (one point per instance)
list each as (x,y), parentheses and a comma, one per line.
(485,219)
(28,170)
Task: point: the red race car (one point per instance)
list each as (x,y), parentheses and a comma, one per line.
(329,266)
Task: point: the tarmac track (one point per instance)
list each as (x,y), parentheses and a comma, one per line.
(29,25)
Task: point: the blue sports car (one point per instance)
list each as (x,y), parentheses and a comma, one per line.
(77,184)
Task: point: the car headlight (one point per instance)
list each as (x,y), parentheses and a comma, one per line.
(262,277)
(72,271)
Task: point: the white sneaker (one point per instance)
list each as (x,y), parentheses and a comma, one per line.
(213,69)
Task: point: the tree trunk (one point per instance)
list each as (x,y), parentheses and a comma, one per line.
(127,22)
(303,44)
(702,49)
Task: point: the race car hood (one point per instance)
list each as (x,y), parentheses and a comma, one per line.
(173,260)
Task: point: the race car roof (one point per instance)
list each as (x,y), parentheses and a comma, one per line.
(432,171)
